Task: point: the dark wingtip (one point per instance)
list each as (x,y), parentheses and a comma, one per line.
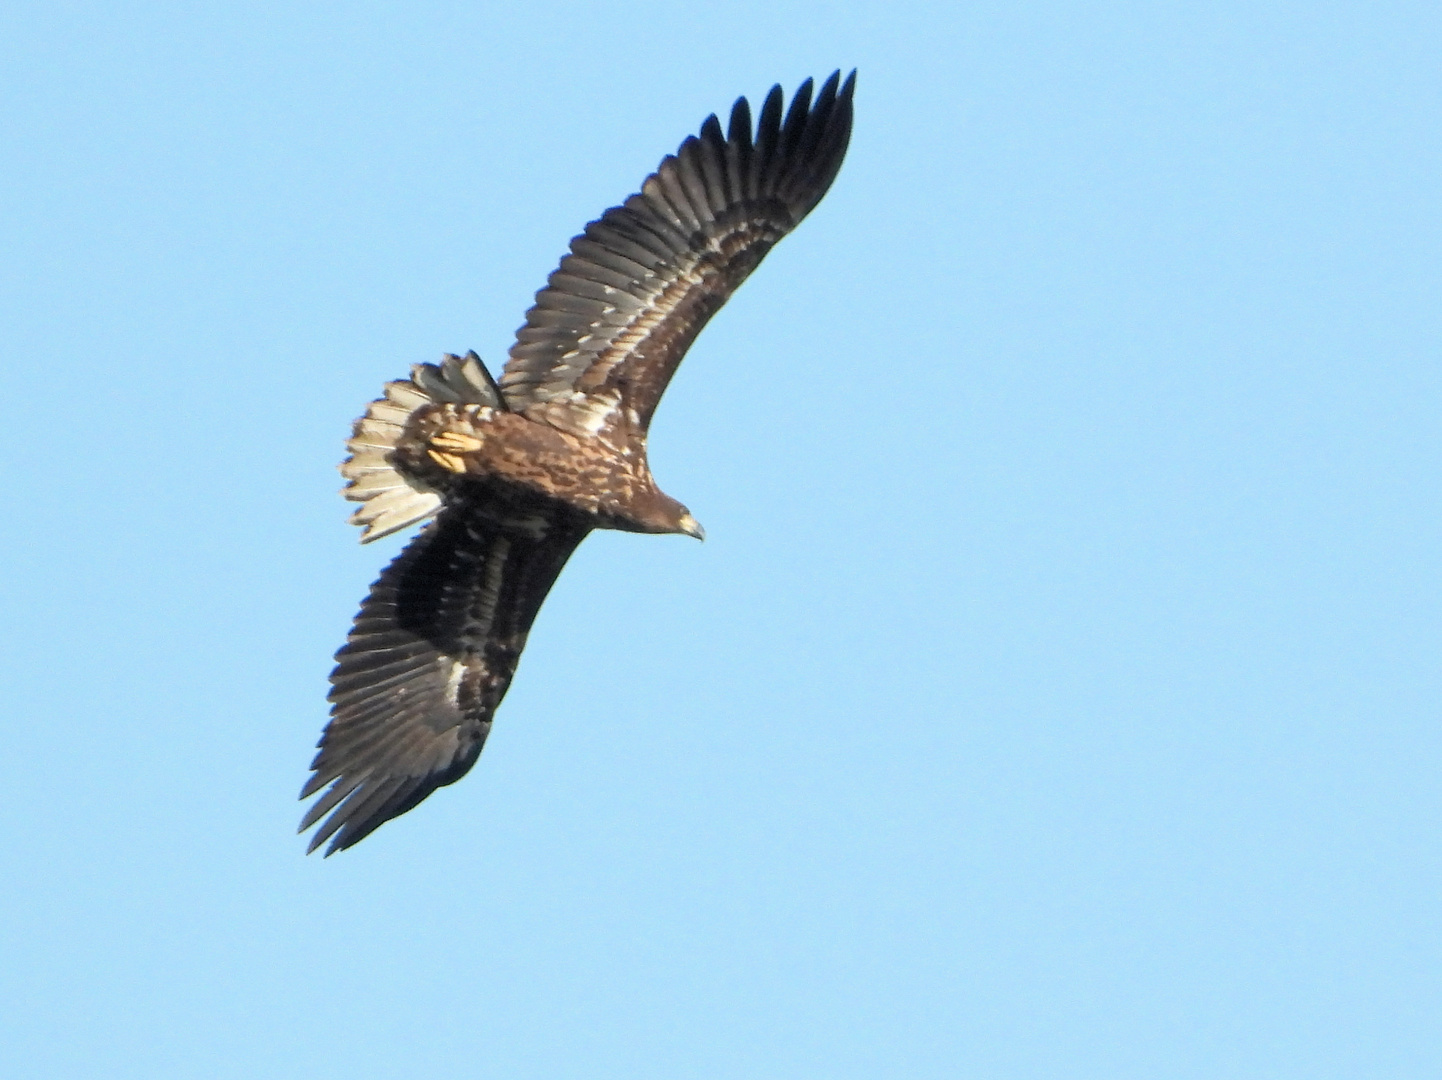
(788,124)
(799,148)
(768,125)
(739,130)
(796,117)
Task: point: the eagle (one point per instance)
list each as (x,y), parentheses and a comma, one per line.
(511,474)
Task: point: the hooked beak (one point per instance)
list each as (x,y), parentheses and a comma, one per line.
(691,527)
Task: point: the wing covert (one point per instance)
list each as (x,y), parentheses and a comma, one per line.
(608,331)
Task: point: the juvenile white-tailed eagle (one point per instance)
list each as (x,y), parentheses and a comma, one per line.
(517,472)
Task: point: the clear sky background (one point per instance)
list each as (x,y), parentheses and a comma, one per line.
(1056,693)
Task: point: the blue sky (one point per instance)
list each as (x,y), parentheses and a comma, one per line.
(1056,692)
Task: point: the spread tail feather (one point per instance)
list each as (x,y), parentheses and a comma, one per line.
(390,500)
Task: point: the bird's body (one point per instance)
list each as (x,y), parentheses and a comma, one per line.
(460,446)
(517,473)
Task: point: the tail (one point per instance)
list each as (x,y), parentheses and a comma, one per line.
(390,499)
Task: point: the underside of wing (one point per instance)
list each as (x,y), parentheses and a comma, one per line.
(429,658)
(614,321)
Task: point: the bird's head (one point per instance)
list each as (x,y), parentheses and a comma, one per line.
(690,526)
(657,512)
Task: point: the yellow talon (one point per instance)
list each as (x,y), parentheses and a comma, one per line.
(454,440)
(447,461)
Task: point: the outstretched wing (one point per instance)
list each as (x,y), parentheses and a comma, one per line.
(430,656)
(610,328)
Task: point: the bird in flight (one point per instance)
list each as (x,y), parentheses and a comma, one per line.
(512,474)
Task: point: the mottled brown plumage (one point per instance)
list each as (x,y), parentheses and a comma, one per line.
(517,473)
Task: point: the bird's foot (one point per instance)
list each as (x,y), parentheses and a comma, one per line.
(446,448)
(455,442)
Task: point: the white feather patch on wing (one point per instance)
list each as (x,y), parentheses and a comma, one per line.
(390,500)
(577,413)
